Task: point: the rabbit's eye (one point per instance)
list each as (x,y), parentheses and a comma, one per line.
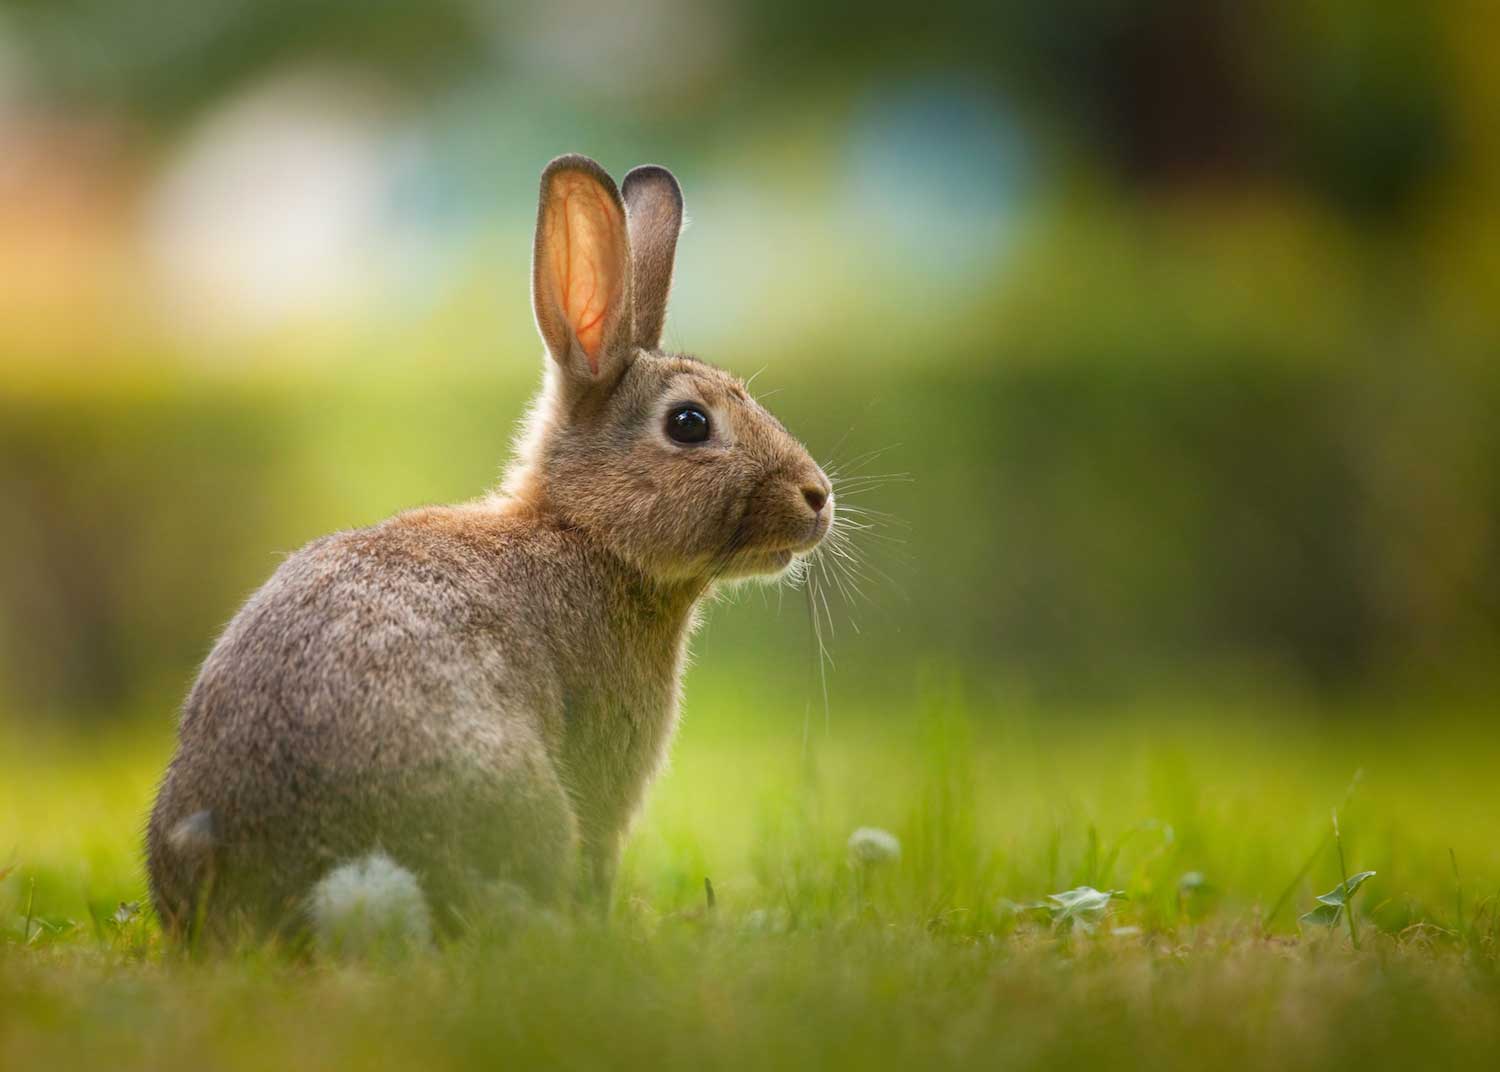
(687,424)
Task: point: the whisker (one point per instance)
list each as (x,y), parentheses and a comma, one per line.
(831,570)
(853,465)
(853,573)
(833,453)
(820,653)
(865,483)
(830,577)
(890,541)
(880,515)
(822,595)
(844,547)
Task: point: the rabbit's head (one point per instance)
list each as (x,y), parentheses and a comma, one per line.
(665,459)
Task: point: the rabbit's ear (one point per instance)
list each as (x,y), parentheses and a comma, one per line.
(653,207)
(580,270)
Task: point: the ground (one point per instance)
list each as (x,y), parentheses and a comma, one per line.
(1212,819)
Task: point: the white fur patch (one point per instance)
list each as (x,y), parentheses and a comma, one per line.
(372,905)
(193,837)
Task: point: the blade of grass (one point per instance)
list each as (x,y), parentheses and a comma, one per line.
(1307,865)
(30,913)
(1344,879)
(1458,893)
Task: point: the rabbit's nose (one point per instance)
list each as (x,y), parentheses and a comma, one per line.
(815,497)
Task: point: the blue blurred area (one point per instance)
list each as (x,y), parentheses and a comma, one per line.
(942,170)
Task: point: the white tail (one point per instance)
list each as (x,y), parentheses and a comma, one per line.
(372,905)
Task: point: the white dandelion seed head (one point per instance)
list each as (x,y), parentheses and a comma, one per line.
(369,906)
(872,845)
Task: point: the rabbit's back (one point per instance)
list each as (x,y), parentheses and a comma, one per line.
(389,688)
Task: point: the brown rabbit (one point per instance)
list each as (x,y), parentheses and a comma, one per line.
(474,698)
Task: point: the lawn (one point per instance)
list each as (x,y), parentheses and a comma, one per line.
(1212,818)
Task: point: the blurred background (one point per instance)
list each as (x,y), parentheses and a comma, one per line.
(1174,326)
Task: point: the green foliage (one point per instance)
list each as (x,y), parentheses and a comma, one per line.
(1080,909)
(1331,904)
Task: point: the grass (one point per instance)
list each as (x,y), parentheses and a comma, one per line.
(1213,821)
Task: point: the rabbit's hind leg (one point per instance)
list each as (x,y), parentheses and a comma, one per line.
(514,832)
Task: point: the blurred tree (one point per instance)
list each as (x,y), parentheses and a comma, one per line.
(162,60)
(1365,95)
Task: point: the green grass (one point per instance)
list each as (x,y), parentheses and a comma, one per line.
(1207,815)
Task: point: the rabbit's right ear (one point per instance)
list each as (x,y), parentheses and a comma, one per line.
(580,271)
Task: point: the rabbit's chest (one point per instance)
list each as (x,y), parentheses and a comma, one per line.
(617,736)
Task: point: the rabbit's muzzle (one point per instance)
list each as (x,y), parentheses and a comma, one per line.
(792,513)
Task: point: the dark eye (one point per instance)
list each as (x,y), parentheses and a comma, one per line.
(687,424)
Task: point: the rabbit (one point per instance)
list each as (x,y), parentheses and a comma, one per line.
(471,698)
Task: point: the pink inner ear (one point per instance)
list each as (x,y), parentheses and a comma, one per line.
(584,243)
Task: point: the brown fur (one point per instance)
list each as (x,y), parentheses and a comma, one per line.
(485,691)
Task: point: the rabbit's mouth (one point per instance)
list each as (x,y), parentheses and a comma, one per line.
(816,531)
(775,559)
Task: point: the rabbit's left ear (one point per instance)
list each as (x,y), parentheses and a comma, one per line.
(580,271)
(653,208)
